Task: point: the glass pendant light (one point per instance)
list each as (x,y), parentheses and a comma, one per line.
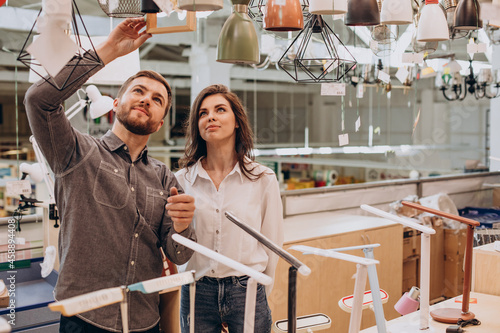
(283,15)
(238,42)
(467,15)
(432,25)
(362,13)
(200,5)
(396,12)
(328,7)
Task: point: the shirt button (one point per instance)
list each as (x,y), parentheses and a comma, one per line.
(217,210)
(217,232)
(132,189)
(115,170)
(178,252)
(161,192)
(132,263)
(132,165)
(136,235)
(125,148)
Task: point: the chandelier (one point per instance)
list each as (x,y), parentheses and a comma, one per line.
(482,85)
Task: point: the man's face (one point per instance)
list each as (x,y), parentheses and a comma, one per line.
(142,106)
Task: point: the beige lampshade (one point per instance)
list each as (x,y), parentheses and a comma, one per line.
(283,15)
(200,5)
(328,7)
(432,25)
(396,12)
(238,41)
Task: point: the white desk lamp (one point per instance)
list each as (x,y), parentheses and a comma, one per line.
(374,284)
(255,277)
(104,297)
(425,261)
(308,323)
(359,285)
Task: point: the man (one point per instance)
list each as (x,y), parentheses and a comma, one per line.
(111,195)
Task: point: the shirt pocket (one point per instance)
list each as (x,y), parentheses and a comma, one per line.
(110,186)
(156,199)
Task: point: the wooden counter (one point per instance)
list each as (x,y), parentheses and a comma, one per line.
(332,279)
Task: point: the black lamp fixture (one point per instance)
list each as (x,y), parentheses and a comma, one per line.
(479,86)
(362,13)
(122,8)
(467,15)
(92,59)
(330,61)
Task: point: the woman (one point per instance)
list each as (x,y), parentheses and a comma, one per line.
(219,171)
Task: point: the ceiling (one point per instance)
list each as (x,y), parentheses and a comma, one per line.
(17,17)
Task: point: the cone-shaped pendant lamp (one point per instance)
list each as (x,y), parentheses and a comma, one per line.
(328,7)
(362,12)
(467,15)
(238,42)
(432,25)
(396,12)
(200,5)
(283,15)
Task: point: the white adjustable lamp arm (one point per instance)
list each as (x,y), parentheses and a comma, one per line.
(425,259)
(43,165)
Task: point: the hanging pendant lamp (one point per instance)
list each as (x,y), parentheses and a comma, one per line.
(149,7)
(467,15)
(432,25)
(238,42)
(307,61)
(283,15)
(396,12)
(328,7)
(362,13)
(122,9)
(201,5)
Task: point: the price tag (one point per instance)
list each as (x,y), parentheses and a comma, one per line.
(412,58)
(333,89)
(17,187)
(354,79)
(402,74)
(384,77)
(360,90)
(343,139)
(358,124)
(476,48)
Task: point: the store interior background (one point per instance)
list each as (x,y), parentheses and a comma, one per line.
(409,138)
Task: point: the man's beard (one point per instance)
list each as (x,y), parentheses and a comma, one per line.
(136,127)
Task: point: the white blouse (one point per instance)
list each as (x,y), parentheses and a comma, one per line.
(256,203)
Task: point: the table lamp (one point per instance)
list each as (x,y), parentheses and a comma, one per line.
(310,323)
(452,315)
(425,261)
(255,277)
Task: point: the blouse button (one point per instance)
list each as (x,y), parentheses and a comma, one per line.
(217,210)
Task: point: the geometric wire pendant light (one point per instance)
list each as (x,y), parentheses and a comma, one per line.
(121,8)
(92,60)
(314,62)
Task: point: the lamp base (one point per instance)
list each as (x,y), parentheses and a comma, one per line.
(450,315)
(408,326)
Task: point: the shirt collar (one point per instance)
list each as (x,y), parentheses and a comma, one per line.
(114,143)
(197,171)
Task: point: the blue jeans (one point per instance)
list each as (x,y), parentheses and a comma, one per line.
(223,301)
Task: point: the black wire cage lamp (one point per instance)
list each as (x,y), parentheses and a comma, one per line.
(479,86)
(328,62)
(121,8)
(92,60)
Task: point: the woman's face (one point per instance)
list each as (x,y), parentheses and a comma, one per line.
(216,122)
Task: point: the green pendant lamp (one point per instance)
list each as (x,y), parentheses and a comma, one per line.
(467,15)
(238,42)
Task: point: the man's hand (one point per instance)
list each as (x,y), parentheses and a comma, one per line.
(125,38)
(180,207)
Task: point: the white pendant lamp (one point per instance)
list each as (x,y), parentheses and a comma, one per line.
(328,7)
(396,12)
(432,25)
